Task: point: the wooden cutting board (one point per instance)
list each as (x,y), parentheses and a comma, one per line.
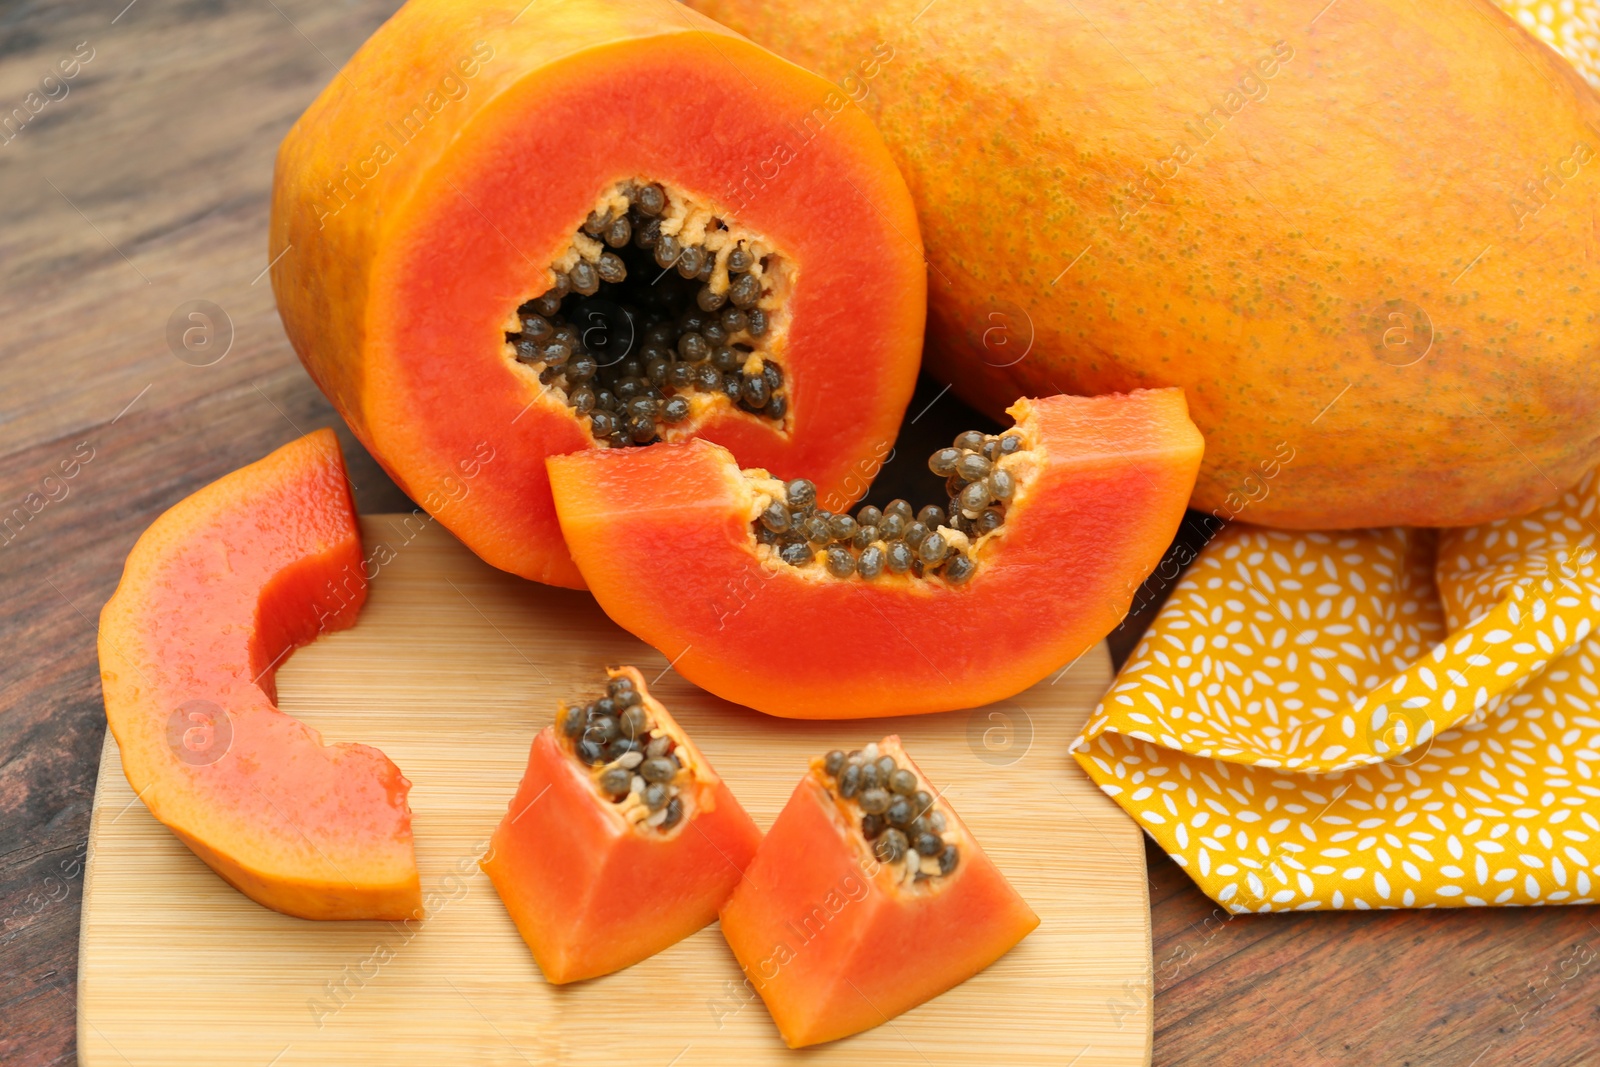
(451,670)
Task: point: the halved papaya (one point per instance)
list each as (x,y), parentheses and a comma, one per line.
(867,897)
(620,841)
(517,230)
(215,594)
(760,596)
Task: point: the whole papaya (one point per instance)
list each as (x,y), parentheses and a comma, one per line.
(1361,235)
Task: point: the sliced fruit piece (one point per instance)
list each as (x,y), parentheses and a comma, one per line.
(214,596)
(1409,319)
(612,222)
(1058,523)
(621,839)
(867,897)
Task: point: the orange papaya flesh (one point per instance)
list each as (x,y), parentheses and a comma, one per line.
(406,238)
(213,597)
(665,538)
(596,882)
(839,933)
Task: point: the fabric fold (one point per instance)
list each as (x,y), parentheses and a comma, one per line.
(1373,718)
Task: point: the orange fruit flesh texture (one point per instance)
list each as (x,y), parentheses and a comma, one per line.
(663,536)
(214,596)
(1384,203)
(397,286)
(592,894)
(832,941)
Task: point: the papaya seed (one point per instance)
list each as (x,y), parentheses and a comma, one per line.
(973,466)
(744,291)
(650,199)
(583,368)
(585,278)
(611,268)
(689,261)
(943,462)
(675,816)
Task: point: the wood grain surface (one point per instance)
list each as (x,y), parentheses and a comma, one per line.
(450,670)
(146,187)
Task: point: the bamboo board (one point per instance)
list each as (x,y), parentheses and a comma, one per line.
(451,670)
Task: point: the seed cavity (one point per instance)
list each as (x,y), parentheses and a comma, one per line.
(935,542)
(633,761)
(659,307)
(900,821)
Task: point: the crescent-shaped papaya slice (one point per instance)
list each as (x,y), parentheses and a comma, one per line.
(215,594)
(759,596)
(867,897)
(621,839)
(523,229)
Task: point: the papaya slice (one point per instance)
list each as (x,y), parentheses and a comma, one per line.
(214,596)
(867,897)
(621,839)
(760,596)
(508,231)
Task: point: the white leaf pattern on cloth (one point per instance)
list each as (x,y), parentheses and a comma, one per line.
(1374,718)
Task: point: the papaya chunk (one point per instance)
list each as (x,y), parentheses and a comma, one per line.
(613,222)
(215,594)
(621,839)
(669,539)
(867,897)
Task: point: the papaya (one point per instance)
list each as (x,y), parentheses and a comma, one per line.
(508,230)
(214,596)
(867,897)
(621,839)
(757,593)
(1357,234)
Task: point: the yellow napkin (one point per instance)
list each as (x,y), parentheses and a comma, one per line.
(1571,27)
(1371,718)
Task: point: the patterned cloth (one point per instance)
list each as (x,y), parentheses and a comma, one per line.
(1372,718)
(1570,27)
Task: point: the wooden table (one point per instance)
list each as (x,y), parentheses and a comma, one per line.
(145,188)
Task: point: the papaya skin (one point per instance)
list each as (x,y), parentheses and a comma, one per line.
(663,537)
(425,193)
(214,596)
(1373,151)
